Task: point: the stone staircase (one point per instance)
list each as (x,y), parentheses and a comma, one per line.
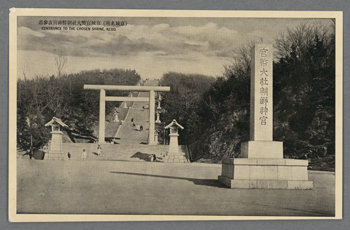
(117,152)
(129,146)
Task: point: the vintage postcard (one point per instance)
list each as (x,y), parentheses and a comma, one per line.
(154,115)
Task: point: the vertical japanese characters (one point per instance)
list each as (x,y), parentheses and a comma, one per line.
(264,85)
(261,107)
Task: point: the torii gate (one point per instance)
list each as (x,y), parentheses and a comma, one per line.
(103,99)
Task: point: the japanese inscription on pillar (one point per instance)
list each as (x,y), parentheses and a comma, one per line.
(264,89)
(261,93)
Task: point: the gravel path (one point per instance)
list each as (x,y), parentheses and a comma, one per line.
(120,187)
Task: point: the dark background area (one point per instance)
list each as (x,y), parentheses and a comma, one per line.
(305,5)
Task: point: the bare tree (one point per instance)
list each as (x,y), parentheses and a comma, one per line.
(298,39)
(61,61)
(240,59)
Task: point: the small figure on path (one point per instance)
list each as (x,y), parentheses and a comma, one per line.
(141,128)
(133,124)
(99,150)
(69,155)
(137,127)
(132,119)
(83,155)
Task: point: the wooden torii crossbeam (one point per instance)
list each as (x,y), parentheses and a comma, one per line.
(104,98)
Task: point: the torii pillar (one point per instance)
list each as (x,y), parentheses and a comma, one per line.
(152,111)
(150,99)
(102,117)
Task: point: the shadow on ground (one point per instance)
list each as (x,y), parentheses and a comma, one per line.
(37,154)
(112,140)
(205,182)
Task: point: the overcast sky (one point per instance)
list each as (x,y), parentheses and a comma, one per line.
(151,46)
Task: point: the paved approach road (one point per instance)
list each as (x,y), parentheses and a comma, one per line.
(128,133)
(122,187)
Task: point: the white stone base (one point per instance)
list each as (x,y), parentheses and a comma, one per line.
(266,184)
(265,173)
(262,149)
(54,156)
(175,159)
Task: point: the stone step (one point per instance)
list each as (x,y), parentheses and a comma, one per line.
(116,152)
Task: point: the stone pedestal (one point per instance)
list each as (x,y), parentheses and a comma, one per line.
(175,159)
(265,173)
(262,164)
(173,145)
(262,149)
(173,153)
(55,152)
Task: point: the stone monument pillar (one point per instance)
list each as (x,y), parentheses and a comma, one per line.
(173,153)
(262,164)
(55,152)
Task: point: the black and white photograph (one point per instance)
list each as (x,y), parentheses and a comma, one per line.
(122,115)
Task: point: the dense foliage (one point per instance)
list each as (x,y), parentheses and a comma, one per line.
(40,99)
(217,119)
(304,91)
(183,101)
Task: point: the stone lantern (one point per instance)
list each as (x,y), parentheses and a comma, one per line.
(173,153)
(55,151)
(125,105)
(158,121)
(156,136)
(159,99)
(116,119)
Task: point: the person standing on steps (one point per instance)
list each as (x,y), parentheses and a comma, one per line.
(83,155)
(99,150)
